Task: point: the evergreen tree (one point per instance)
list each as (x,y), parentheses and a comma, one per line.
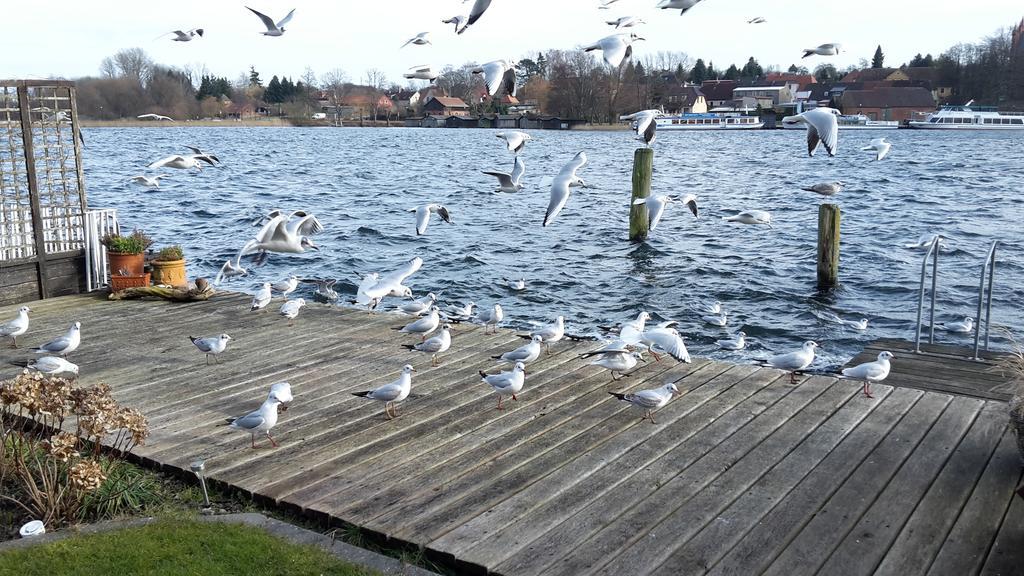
(752,69)
(826,73)
(680,73)
(254,77)
(792,69)
(699,72)
(878,60)
(274,94)
(733,73)
(542,65)
(638,71)
(712,73)
(287,89)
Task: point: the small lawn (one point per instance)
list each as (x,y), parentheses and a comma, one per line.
(171,547)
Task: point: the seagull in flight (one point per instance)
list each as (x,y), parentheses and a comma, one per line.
(822,128)
(458,20)
(625,22)
(498,74)
(154,117)
(756,20)
(479,7)
(423,216)
(148,182)
(515,140)
(560,186)
(419,40)
(510,182)
(881,147)
(272,28)
(186,36)
(822,50)
(682,5)
(645,124)
(656,204)
(615,48)
(283,233)
(421,72)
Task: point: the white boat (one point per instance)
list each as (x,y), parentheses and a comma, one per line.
(970,117)
(709,122)
(847,122)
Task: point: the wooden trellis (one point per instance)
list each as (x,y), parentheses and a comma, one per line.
(42,190)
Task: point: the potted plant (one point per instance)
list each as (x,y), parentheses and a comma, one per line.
(126,255)
(169,266)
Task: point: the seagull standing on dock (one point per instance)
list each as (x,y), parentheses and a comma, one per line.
(498,74)
(479,7)
(617,360)
(506,383)
(211,346)
(551,333)
(880,146)
(457,313)
(491,317)
(391,393)
(423,216)
(566,179)
(290,309)
(273,29)
(751,217)
(526,353)
(822,127)
(649,401)
(424,325)
(515,140)
(510,181)
(286,286)
(656,204)
(615,48)
(261,420)
(437,344)
(870,372)
(419,306)
(65,344)
(51,366)
(794,361)
(16,327)
(262,297)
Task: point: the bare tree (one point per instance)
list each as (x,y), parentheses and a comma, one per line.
(130,63)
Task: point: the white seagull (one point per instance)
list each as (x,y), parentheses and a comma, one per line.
(261,420)
(283,233)
(515,285)
(645,124)
(739,342)
(183,161)
(625,22)
(498,74)
(17,326)
(515,140)
(682,5)
(286,286)
(211,345)
(491,317)
(721,319)
(229,270)
(606,3)
(391,393)
(965,326)
(751,217)
(479,7)
(649,400)
(154,117)
(615,48)
(822,50)
(437,344)
(51,366)
(419,40)
(794,361)
(617,360)
(459,313)
(424,325)
(510,182)
(656,204)
(458,20)
(880,146)
(926,241)
(825,188)
(63,345)
(526,353)
(423,213)
(187,35)
(551,333)
(666,340)
(420,306)
(374,287)
(290,309)
(272,28)
(506,383)
(422,72)
(148,182)
(822,127)
(560,186)
(262,297)
(870,372)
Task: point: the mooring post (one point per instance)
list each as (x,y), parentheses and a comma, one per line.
(643,165)
(828,245)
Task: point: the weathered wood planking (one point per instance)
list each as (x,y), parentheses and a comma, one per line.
(744,473)
(944,368)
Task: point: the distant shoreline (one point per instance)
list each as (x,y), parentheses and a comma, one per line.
(283,123)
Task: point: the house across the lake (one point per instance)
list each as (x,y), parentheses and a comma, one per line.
(445,106)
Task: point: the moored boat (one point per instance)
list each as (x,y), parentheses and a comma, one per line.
(847,122)
(970,117)
(709,122)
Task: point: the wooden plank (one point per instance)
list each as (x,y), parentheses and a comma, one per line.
(485,538)
(816,537)
(690,476)
(728,549)
(931,367)
(951,350)
(967,545)
(1004,558)
(921,538)
(864,545)
(33,190)
(814,429)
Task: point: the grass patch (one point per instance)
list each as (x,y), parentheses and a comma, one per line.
(176,547)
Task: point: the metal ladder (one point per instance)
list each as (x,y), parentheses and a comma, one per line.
(933,253)
(990,267)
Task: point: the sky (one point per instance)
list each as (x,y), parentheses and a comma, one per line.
(69,38)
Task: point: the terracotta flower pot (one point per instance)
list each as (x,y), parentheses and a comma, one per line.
(169,272)
(124,263)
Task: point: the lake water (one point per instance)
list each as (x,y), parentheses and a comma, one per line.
(360,183)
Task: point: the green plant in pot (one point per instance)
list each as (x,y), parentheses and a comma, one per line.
(126,253)
(169,266)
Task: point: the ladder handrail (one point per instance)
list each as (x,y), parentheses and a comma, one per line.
(988,266)
(933,253)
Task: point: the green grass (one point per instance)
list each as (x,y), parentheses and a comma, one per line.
(175,547)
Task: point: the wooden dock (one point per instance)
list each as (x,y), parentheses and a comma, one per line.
(744,473)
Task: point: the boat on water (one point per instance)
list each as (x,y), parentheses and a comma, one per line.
(709,122)
(970,117)
(847,122)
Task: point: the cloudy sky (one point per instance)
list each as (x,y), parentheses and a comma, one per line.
(69,38)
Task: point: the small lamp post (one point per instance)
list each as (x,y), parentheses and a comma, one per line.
(198,466)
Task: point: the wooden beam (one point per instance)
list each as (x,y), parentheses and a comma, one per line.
(643,166)
(33,188)
(828,245)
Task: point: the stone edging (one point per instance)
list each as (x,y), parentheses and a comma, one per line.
(283,530)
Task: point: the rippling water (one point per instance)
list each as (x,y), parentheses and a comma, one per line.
(361,182)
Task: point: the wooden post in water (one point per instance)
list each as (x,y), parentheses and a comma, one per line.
(643,166)
(828,245)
